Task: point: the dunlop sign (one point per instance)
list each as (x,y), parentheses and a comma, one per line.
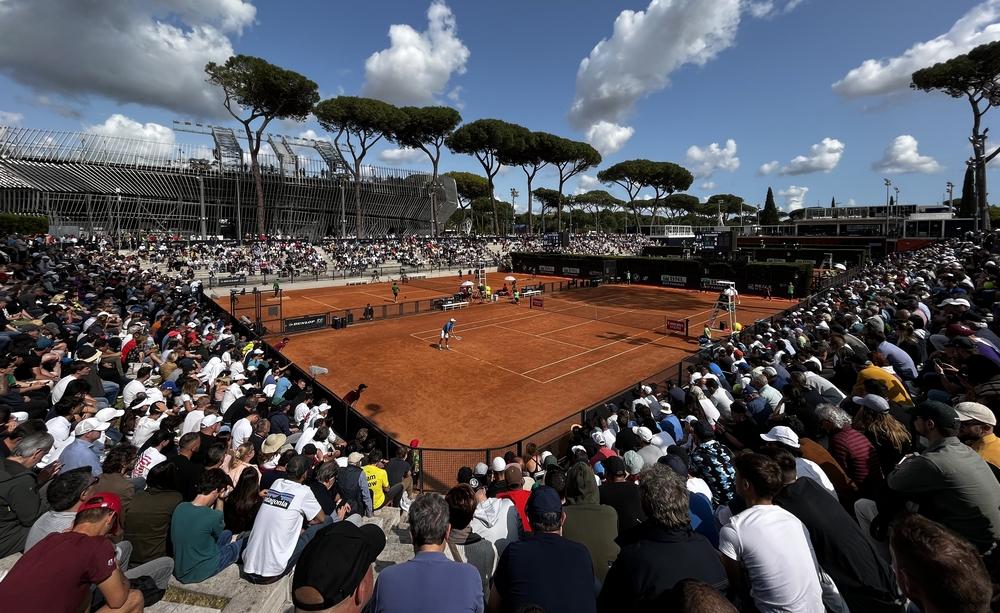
(308,322)
(673,280)
(233,280)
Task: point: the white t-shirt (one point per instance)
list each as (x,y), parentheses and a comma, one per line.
(242,430)
(232,393)
(146,427)
(277,526)
(302,411)
(192,421)
(711,413)
(130,390)
(149,458)
(811,470)
(773,546)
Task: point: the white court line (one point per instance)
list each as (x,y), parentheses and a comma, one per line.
(592,350)
(539,336)
(601,361)
(469,355)
(335,308)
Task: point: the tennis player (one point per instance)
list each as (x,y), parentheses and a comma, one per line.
(395,292)
(446,334)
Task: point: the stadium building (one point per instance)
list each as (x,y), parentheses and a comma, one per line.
(97,184)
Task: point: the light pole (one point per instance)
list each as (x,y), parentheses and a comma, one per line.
(888,184)
(951,190)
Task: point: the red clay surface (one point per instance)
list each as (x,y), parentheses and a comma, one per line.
(515,369)
(355,297)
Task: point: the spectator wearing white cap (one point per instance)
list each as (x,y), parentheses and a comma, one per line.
(85,450)
(975,429)
(785,437)
(233,392)
(496,483)
(647,451)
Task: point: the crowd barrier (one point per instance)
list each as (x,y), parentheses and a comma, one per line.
(439,466)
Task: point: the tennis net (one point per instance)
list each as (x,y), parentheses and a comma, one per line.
(643,320)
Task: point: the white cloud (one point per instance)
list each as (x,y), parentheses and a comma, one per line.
(9,118)
(403,155)
(852,202)
(901,156)
(823,157)
(768,8)
(417,65)
(705,161)
(311,134)
(768,167)
(609,137)
(644,49)
(455,97)
(587,182)
(883,76)
(708,185)
(795,197)
(157,141)
(151,53)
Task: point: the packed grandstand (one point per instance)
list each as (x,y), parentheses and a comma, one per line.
(840,457)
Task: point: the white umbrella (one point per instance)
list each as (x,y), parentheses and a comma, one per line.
(510,278)
(467,284)
(840,267)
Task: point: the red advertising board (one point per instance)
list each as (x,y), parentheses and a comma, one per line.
(537,303)
(676,325)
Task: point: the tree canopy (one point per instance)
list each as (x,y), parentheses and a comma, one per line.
(570,158)
(426,128)
(769,215)
(490,141)
(470,186)
(362,122)
(531,151)
(262,92)
(727,204)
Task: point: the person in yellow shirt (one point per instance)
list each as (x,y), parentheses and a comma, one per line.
(975,429)
(378,482)
(894,385)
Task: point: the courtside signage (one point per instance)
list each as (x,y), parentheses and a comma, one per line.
(570,270)
(233,280)
(550,270)
(537,303)
(673,280)
(308,322)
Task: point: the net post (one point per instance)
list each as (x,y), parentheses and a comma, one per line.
(687,328)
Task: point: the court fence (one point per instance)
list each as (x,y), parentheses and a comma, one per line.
(362,275)
(439,466)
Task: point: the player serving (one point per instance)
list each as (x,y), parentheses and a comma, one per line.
(446,334)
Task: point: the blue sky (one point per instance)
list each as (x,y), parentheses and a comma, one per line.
(681,74)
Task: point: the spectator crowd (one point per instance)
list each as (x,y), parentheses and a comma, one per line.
(840,457)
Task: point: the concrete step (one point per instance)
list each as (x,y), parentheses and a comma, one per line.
(244,597)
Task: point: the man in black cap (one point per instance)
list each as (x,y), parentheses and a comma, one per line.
(335,570)
(949,481)
(544,569)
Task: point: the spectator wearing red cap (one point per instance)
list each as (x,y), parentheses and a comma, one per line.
(56,574)
(513,482)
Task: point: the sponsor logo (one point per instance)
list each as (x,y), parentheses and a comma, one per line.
(570,270)
(232,280)
(309,322)
(547,269)
(758,287)
(676,325)
(282,500)
(707,283)
(674,280)
(537,303)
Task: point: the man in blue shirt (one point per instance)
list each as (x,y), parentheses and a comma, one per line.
(430,582)
(85,450)
(544,569)
(446,335)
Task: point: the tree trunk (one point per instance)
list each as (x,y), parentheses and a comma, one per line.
(359,231)
(434,206)
(493,205)
(259,183)
(531,222)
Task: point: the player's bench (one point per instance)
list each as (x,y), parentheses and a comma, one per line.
(530,292)
(448,306)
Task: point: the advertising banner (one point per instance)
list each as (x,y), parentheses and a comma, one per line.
(673,280)
(306,322)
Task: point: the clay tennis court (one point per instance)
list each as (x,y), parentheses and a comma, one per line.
(514,370)
(355,297)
